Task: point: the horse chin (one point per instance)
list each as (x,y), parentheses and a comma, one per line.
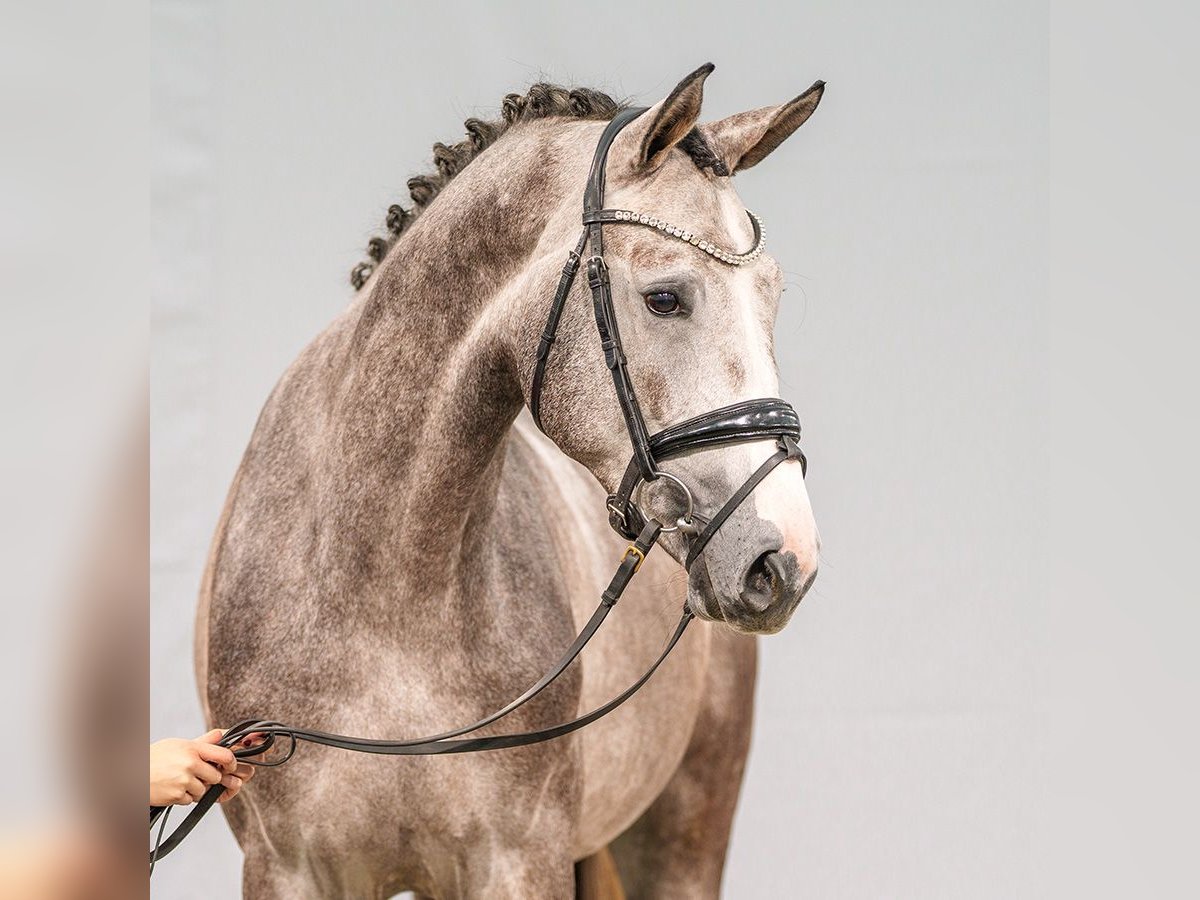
(705,604)
(770,621)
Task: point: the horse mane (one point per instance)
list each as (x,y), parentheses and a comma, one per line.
(541,101)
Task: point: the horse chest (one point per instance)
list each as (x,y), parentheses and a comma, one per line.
(628,758)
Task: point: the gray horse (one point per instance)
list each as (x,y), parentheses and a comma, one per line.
(402,551)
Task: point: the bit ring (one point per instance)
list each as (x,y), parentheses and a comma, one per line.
(684,522)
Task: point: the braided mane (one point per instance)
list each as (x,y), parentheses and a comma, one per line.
(542,101)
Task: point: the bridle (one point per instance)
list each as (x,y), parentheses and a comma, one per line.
(751,420)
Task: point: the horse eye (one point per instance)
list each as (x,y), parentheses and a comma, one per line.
(662,303)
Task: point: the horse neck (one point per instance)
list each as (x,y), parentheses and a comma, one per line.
(432,385)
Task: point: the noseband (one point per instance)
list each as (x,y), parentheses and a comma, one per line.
(752,420)
(740,423)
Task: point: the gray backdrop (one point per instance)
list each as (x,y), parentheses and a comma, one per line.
(900,716)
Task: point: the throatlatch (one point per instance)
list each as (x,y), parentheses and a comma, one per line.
(752,420)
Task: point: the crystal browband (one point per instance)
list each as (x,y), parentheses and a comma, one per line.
(725,256)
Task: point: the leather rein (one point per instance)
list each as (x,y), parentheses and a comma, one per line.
(752,420)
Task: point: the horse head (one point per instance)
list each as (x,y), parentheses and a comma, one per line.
(696,300)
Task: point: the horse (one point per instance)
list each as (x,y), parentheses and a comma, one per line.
(402,550)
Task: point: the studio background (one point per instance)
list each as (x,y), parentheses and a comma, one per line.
(900,718)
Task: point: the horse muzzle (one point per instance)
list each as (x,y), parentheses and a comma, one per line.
(750,577)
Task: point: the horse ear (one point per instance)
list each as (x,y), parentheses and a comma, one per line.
(664,125)
(743,140)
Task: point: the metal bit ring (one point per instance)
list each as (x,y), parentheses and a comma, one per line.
(684,522)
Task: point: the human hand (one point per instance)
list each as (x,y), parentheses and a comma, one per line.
(182,771)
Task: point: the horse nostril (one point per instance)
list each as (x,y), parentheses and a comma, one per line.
(764,581)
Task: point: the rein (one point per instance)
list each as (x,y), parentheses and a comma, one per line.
(752,420)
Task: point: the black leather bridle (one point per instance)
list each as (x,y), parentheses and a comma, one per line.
(752,420)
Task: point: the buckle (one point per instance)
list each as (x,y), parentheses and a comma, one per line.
(619,512)
(641,557)
(597,272)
